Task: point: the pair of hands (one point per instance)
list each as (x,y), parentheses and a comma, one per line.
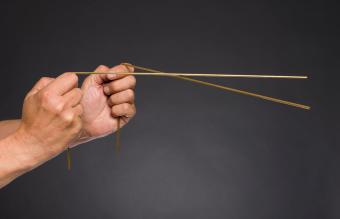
(57,114)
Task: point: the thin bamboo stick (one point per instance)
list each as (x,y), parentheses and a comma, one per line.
(301,106)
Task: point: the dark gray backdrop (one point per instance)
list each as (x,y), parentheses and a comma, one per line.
(192,151)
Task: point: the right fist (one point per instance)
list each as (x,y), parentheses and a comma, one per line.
(51,116)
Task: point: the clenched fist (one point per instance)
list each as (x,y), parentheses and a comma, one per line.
(51,116)
(105,98)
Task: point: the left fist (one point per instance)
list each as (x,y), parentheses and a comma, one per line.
(105,98)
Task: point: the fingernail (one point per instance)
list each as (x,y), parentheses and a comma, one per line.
(106,90)
(111,76)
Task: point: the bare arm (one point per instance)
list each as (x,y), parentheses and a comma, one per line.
(8,127)
(15,158)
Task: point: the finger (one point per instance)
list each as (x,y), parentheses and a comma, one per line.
(95,79)
(118,69)
(128,82)
(101,78)
(63,83)
(124,109)
(129,66)
(72,98)
(126,96)
(43,82)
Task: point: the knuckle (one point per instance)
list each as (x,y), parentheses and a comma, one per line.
(54,107)
(67,117)
(50,103)
(58,107)
(132,80)
(130,94)
(45,95)
(126,106)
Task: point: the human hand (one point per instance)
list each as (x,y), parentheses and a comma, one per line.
(51,117)
(107,97)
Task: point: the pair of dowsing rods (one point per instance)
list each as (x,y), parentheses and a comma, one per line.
(186,76)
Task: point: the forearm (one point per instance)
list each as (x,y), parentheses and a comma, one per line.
(19,154)
(13,160)
(8,127)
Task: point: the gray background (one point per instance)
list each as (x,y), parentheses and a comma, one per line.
(192,151)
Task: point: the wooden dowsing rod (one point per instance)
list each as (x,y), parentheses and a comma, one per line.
(186,76)
(272,99)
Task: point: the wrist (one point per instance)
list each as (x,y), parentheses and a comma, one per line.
(84,137)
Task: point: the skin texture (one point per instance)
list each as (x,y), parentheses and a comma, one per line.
(107,97)
(57,114)
(8,127)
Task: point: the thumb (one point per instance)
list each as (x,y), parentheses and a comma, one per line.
(95,79)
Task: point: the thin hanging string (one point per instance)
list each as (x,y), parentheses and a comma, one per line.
(301,106)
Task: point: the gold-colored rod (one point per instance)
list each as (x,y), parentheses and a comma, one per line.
(171,74)
(301,106)
(69,160)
